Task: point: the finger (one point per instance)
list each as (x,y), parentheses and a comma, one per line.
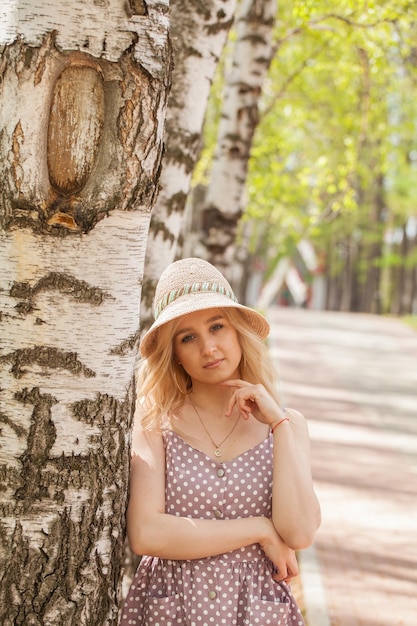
(244,397)
(290,574)
(243,401)
(236,383)
(244,411)
(231,404)
(293,569)
(289,578)
(247,391)
(280,575)
(245,406)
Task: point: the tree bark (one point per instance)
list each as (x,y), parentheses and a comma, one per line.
(348,274)
(199,31)
(252,56)
(398,277)
(371,297)
(411,282)
(82,104)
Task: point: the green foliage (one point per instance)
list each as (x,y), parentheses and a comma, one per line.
(335,154)
(334,158)
(411,320)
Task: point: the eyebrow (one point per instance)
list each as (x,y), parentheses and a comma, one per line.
(210,320)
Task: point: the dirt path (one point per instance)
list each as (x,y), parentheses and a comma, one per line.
(355,379)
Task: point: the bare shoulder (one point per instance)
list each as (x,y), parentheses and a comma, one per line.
(146,443)
(294,415)
(147,474)
(296,418)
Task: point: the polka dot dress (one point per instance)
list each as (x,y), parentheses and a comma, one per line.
(232,589)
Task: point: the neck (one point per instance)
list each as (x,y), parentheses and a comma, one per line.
(214,399)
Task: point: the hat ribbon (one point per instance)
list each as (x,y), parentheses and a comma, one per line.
(186,289)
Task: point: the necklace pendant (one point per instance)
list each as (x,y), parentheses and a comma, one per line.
(217,452)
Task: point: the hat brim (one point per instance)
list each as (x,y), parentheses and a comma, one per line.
(190,303)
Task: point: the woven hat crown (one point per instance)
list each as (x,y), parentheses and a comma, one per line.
(191,285)
(186,277)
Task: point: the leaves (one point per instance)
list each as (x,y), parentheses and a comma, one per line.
(337,135)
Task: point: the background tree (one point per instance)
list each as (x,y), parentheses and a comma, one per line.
(83,97)
(335,135)
(251,53)
(198,33)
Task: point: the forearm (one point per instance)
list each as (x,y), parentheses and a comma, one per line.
(181,538)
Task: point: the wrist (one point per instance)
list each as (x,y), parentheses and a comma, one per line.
(276,423)
(265,527)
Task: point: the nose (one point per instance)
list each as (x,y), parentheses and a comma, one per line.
(208,345)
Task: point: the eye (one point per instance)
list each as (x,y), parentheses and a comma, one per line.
(187,338)
(217,326)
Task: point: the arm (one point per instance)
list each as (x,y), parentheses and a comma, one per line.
(153,532)
(295,508)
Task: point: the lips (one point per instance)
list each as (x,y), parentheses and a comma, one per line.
(213,364)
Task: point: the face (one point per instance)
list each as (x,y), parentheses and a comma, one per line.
(207,346)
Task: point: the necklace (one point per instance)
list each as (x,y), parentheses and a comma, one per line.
(217,451)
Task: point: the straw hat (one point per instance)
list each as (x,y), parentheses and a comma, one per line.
(194,285)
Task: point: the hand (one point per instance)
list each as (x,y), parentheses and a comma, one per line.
(282,557)
(253,400)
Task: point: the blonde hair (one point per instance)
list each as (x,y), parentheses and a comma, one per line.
(162,384)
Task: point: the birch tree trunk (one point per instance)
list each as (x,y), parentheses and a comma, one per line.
(82,102)
(252,56)
(199,31)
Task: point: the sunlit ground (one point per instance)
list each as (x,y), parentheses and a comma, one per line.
(355,379)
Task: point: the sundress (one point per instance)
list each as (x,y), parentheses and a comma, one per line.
(232,589)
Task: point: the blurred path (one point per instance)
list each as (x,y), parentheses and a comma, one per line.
(355,379)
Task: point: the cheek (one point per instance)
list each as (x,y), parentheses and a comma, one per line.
(236,345)
(183,355)
(178,356)
(177,348)
(234,350)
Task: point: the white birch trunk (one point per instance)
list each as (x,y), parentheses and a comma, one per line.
(82,103)
(252,55)
(198,32)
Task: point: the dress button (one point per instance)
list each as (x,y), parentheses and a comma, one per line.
(217,513)
(212,595)
(220,472)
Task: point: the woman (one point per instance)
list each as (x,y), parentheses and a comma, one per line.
(221,494)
